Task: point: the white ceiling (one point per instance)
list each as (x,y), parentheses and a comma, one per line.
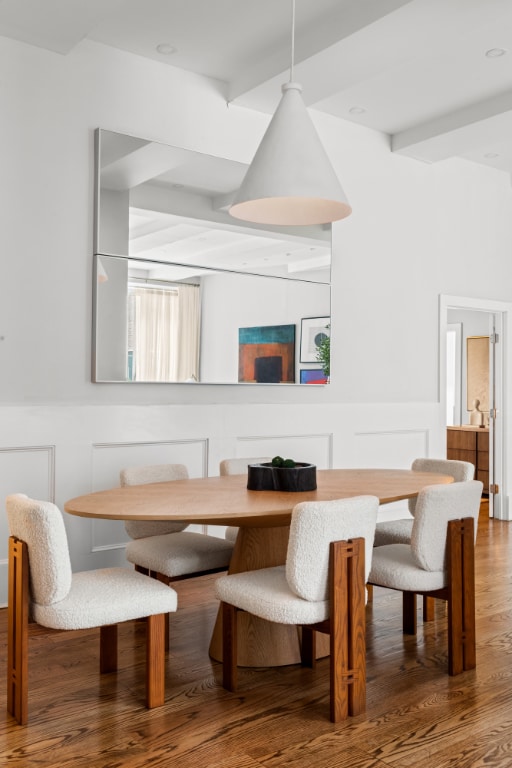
(418,68)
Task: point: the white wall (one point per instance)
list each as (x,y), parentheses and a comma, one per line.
(417,231)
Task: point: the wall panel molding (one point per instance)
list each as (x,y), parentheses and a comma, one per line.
(108,458)
(320,446)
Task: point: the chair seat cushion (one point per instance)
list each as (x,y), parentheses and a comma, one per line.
(106,596)
(393,566)
(265,593)
(393,532)
(177,554)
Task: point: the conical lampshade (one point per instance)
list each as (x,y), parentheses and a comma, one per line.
(290,180)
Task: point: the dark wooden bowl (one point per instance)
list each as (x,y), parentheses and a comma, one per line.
(265,477)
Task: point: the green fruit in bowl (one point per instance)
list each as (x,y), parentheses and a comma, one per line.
(277,461)
(289,463)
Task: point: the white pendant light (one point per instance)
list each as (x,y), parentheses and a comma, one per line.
(291,180)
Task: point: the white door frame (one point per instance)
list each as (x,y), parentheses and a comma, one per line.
(504,311)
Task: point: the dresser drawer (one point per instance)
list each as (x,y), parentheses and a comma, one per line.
(457,454)
(482,460)
(482,475)
(482,441)
(460,439)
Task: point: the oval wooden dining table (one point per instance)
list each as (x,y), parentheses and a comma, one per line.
(263,520)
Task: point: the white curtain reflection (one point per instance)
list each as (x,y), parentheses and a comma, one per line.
(164,332)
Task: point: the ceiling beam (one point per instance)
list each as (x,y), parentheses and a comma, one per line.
(317,50)
(457,132)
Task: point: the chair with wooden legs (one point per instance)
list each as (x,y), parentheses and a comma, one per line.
(163,548)
(399,531)
(321,588)
(438,563)
(237,467)
(42,584)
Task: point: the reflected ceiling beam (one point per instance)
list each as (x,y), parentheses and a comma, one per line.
(223,202)
(458,132)
(154,197)
(141,165)
(317,262)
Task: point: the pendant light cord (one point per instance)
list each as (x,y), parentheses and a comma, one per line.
(293,42)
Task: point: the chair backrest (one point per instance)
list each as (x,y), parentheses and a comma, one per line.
(41,526)
(153,473)
(239,466)
(461,471)
(437,504)
(314,525)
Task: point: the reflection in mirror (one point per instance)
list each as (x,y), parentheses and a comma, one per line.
(157,322)
(177,281)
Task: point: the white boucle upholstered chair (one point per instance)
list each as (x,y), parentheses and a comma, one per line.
(41,583)
(321,588)
(438,562)
(164,548)
(237,467)
(399,531)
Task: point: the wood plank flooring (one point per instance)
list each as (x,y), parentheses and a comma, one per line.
(416,714)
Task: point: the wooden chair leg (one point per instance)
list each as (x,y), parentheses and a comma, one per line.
(347,636)
(461,596)
(17,632)
(155,660)
(429,607)
(165,580)
(369,593)
(409,619)
(229,647)
(308,647)
(108,648)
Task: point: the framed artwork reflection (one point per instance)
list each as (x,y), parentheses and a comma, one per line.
(312,376)
(266,354)
(313,331)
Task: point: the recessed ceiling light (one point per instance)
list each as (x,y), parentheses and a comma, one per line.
(494,53)
(357,110)
(491,154)
(166,49)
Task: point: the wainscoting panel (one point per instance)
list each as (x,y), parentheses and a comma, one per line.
(315,449)
(109,458)
(391,448)
(29,470)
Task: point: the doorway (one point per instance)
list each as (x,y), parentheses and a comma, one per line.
(471,389)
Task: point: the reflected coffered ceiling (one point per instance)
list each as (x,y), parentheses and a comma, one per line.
(435,75)
(174,204)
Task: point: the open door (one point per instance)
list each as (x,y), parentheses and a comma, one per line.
(473,396)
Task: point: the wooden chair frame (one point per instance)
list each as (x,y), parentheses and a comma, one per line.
(459,594)
(17,641)
(346,628)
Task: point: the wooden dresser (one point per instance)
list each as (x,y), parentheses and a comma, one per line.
(468,443)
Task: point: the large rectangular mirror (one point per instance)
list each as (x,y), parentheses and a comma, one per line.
(183,292)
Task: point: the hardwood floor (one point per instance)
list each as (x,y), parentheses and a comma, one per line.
(416,714)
